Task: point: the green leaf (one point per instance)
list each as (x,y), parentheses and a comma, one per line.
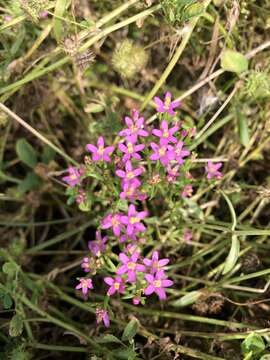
(234,61)
(109,339)
(243,130)
(233,255)
(253,342)
(31,182)
(59,10)
(187,299)
(10,268)
(7,302)
(16,326)
(48,154)
(130,330)
(26,153)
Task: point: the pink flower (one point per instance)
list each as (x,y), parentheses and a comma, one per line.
(114,222)
(130,173)
(99,245)
(162,152)
(133,220)
(130,150)
(81,197)
(126,237)
(130,191)
(178,153)
(167,105)
(157,284)
(135,127)
(212,170)
(102,315)
(85,265)
(85,285)
(155,264)
(73,178)
(100,153)
(116,285)
(187,191)
(136,300)
(172,173)
(187,236)
(130,266)
(165,134)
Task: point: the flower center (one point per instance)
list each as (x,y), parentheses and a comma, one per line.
(165,133)
(134,128)
(155,264)
(134,220)
(167,102)
(130,175)
(73,177)
(131,266)
(130,191)
(85,284)
(100,150)
(130,148)
(157,283)
(178,152)
(115,222)
(116,285)
(162,151)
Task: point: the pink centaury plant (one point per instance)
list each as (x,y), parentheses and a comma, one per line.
(157,284)
(166,106)
(212,170)
(74,176)
(116,285)
(102,316)
(100,152)
(135,127)
(85,285)
(130,266)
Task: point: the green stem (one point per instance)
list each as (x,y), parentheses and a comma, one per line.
(190,27)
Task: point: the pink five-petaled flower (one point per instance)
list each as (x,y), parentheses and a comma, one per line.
(135,127)
(102,315)
(212,170)
(116,285)
(165,134)
(85,285)
(73,178)
(85,265)
(130,150)
(99,152)
(179,152)
(157,283)
(133,220)
(130,266)
(99,245)
(167,105)
(130,191)
(162,152)
(155,264)
(113,221)
(130,173)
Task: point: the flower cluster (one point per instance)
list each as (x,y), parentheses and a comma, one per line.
(160,153)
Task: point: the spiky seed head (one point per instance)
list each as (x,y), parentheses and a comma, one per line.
(129,59)
(257,85)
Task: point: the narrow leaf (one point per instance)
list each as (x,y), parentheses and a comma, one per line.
(59,11)
(233,255)
(243,130)
(187,299)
